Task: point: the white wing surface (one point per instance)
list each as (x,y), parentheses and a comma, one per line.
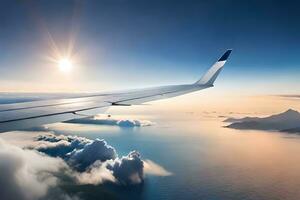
(20,116)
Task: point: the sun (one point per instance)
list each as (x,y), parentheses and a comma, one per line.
(65,65)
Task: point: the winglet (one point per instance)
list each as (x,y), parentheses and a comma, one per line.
(225,56)
(211,75)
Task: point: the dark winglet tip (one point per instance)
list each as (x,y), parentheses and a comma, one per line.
(225,55)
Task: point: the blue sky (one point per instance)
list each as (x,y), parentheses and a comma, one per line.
(121,44)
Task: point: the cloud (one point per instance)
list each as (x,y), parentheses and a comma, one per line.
(95,174)
(100,120)
(26,174)
(128,169)
(132,123)
(97,150)
(289,96)
(59,145)
(43,162)
(95,162)
(153,168)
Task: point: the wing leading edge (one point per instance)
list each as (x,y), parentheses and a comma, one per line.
(20,116)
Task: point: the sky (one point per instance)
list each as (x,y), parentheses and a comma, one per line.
(119,44)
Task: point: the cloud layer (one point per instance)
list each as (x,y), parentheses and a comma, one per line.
(96,156)
(100,120)
(26,174)
(31,171)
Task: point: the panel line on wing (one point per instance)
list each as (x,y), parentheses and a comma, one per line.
(52,114)
(41,106)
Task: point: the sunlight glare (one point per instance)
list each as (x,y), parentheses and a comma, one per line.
(65,65)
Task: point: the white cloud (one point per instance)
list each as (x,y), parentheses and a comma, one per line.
(128,169)
(153,168)
(112,121)
(95,174)
(97,150)
(26,174)
(94,157)
(59,145)
(32,169)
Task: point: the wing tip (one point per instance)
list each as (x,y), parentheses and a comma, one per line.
(225,56)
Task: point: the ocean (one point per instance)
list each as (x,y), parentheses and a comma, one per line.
(207,161)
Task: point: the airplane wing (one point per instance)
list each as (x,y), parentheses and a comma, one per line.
(18,116)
